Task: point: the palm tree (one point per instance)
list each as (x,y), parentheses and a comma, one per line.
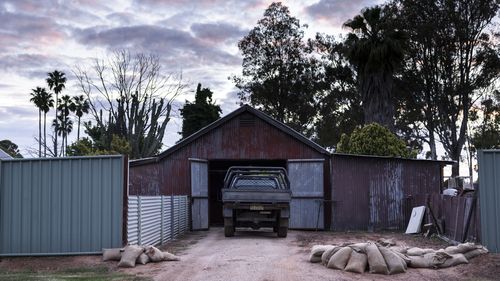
(376,49)
(37,100)
(81,106)
(56,81)
(63,127)
(66,106)
(46,102)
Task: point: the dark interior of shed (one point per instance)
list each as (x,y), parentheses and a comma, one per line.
(216,171)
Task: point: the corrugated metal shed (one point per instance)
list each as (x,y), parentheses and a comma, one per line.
(366,191)
(245,134)
(55,206)
(489,198)
(374,193)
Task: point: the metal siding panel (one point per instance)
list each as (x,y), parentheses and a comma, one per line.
(61,205)
(304,214)
(489,198)
(306,184)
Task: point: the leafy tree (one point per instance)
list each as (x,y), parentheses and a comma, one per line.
(36,98)
(200,113)
(374,139)
(85,147)
(376,49)
(339,109)
(486,123)
(454,60)
(278,69)
(10,148)
(137,96)
(80,107)
(56,82)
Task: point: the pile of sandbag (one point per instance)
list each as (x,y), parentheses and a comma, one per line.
(385,257)
(134,254)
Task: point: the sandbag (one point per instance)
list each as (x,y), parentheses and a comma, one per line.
(156,255)
(357,262)
(395,264)
(466,247)
(340,258)
(453,261)
(359,247)
(474,253)
(317,251)
(142,259)
(170,257)
(130,255)
(404,257)
(399,249)
(376,261)
(325,257)
(314,259)
(111,254)
(418,251)
(386,242)
(421,262)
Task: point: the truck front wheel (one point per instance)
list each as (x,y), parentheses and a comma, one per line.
(282,231)
(228,227)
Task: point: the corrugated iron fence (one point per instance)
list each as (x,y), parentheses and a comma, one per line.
(156,219)
(61,205)
(456,216)
(489,196)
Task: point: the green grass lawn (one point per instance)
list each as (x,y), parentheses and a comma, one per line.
(84,273)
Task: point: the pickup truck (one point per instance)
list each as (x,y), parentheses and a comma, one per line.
(256,197)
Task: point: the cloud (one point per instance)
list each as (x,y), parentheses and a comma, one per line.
(337,12)
(217,32)
(174,45)
(122,18)
(30,65)
(28,31)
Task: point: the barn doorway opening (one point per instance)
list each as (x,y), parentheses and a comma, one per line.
(216,171)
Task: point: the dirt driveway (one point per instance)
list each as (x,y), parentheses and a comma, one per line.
(261,256)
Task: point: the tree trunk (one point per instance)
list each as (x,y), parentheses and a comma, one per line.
(378,107)
(44,134)
(78,131)
(39,133)
(432,145)
(55,130)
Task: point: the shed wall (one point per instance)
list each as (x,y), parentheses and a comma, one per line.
(370,193)
(231,141)
(61,205)
(489,198)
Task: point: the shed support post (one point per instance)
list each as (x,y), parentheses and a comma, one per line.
(139,216)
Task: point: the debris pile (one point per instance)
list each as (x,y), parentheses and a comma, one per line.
(385,257)
(134,254)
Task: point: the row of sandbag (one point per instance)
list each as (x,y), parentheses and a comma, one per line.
(132,254)
(390,259)
(442,258)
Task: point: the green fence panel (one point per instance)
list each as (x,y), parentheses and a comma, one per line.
(489,198)
(53,206)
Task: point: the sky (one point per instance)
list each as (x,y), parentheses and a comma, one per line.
(196,38)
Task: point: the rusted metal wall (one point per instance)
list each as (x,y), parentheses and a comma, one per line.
(228,142)
(374,193)
(458,215)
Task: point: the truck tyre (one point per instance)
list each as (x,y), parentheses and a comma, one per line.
(228,230)
(282,231)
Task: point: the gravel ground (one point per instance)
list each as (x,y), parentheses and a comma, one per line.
(261,256)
